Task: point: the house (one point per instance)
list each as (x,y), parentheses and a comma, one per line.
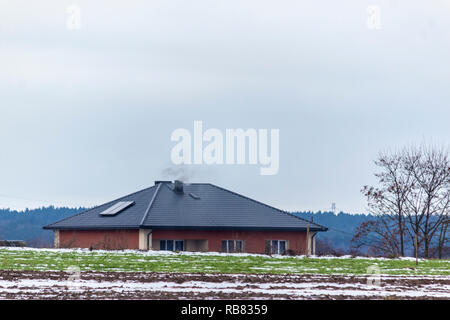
(194,217)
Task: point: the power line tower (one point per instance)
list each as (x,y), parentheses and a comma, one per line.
(333,207)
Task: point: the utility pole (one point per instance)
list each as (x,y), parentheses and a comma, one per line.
(307,240)
(417,249)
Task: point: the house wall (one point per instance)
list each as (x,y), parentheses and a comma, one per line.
(255,241)
(99,239)
(196,245)
(195,240)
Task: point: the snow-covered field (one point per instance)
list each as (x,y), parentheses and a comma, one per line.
(27,273)
(117,285)
(187,253)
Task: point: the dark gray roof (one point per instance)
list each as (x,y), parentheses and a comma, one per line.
(200,206)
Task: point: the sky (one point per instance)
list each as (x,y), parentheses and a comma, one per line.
(86,114)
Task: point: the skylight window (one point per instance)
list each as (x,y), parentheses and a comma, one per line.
(116,208)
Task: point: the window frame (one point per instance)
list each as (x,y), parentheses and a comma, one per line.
(234,246)
(173,243)
(275,248)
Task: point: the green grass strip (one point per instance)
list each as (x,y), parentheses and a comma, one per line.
(60,260)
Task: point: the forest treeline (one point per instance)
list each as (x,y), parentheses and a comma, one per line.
(27,225)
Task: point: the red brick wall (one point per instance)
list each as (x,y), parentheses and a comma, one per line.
(99,239)
(255,241)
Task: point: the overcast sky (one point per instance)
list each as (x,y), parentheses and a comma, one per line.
(86,115)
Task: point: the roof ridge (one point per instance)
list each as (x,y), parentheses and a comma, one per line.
(150,204)
(90,209)
(259,202)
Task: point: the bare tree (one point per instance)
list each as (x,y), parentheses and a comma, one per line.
(380,236)
(442,240)
(410,203)
(429,199)
(325,247)
(388,203)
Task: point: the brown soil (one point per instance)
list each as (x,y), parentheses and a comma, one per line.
(250,281)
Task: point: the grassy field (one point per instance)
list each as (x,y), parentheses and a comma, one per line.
(132,261)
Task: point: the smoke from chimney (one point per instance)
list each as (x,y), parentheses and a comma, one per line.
(181,173)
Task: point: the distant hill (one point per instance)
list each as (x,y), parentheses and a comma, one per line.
(341,227)
(27,225)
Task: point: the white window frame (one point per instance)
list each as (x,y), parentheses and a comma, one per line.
(234,245)
(278,246)
(173,244)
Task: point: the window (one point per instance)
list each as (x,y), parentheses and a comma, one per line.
(239,246)
(178,245)
(116,208)
(232,246)
(171,245)
(276,246)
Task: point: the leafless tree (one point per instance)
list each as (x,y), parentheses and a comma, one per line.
(325,247)
(429,200)
(443,240)
(379,235)
(388,203)
(411,201)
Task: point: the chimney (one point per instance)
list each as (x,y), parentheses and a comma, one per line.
(178,186)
